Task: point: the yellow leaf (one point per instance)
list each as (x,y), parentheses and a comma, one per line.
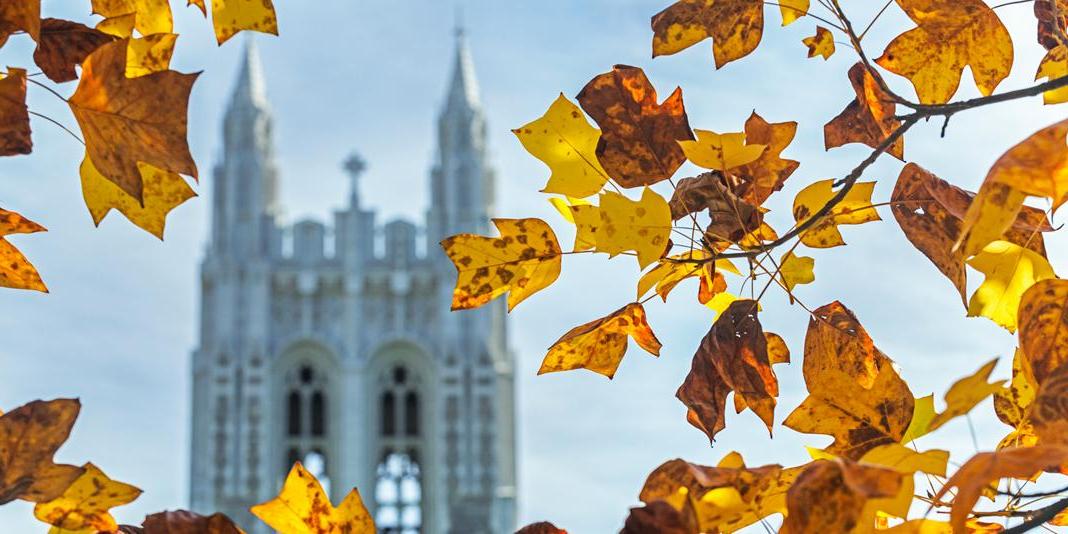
(1053,66)
(821,44)
(149,54)
(796,270)
(720,152)
(641,226)
(950,35)
(905,460)
(86,503)
(564,140)
(721,301)
(121,26)
(967,392)
(792,10)
(163,191)
(232,16)
(1012,403)
(735,27)
(855,208)
(842,489)
(523,261)
(15,270)
(302,507)
(670,271)
(1010,270)
(563,206)
(923,413)
(151,16)
(1043,330)
(599,345)
(29,437)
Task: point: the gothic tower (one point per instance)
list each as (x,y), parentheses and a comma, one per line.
(344,355)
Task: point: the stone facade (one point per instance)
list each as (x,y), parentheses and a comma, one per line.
(334,345)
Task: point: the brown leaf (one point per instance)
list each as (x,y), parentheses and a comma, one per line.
(930,212)
(869,119)
(65,44)
(543,527)
(657,518)
(1052,18)
(639,138)
(14,115)
(733,356)
(20,15)
(1049,412)
(731,217)
(15,270)
(769,172)
(1043,322)
(183,522)
(829,496)
(130,120)
(735,27)
(29,436)
(855,394)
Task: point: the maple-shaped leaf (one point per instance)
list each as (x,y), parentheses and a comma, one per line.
(642,226)
(724,498)
(670,271)
(599,345)
(15,270)
(183,522)
(792,10)
(63,45)
(907,462)
(1043,330)
(565,141)
(975,476)
(966,393)
(541,527)
(127,121)
(163,191)
(1054,65)
(1010,270)
(868,119)
(732,218)
(721,152)
(523,261)
(854,208)
(769,172)
(29,436)
(732,357)
(855,394)
(821,44)
(14,115)
(735,27)
(302,507)
(1052,18)
(1012,403)
(85,504)
(930,212)
(150,16)
(657,517)
(232,16)
(639,138)
(585,216)
(121,26)
(796,270)
(950,35)
(830,495)
(20,15)
(148,54)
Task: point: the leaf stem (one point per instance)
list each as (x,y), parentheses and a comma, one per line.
(47,88)
(57,123)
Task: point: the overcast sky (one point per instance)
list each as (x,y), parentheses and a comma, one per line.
(118,327)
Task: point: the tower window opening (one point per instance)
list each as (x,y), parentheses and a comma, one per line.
(398,493)
(318,414)
(411,414)
(389,414)
(294,413)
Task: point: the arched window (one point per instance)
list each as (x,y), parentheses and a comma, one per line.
(293,413)
(398,491)
(307,427)
(389,414)
(399,495)
(411,414)
(318,414)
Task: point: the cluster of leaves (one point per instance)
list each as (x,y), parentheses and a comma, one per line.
(130,107)
(863,481)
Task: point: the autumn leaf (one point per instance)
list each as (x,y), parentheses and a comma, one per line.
(302,507)
(127,121)
(732,217)
(841,488)
(183,522)
(769,172)
(1011,404)
(21,15)
(232,16)
(657,517)
(63,45)
(149,54)
(15,270)
(642,226)
(1052,18)
(1054,65)
(585,216)
(121,26)
(972,479)
(151,16)
(792,10)
(923,412)
(85,504)
(854,208)
(966,393)
(599,345)
(565,141)
(796,270)
(720,302)
(907,462)
(29,437)
(720,152)
(930,212)
(639,138)
(163,191)
(14,115)
(523,261)
(543,527)
(869,119)
(732,357)
(1043,330)
(1048,414)
(670,271)
(855,394)
(735,27)
(1010,270)
(821,44)
(950,35)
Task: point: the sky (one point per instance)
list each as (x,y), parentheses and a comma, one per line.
(119,324)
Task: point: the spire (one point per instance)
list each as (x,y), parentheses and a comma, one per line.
(463,89)
(250,88)
(354,165)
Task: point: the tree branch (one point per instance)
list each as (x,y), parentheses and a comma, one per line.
(1039,517)
(935,110)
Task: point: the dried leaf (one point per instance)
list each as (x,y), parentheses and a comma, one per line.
(1011,404)
(543,527)
(1043,331)
(302,507)
(15,270)
(599,345)
(821,44)
(966,393)
(29,436)
(14,115)
(183,522)
(769,172)
(735,27)
(565,141)
(1048,414)
(854,208)
(842,488)
(1052,18)
(523,261)
(1010,270)
(950,35)
(731,217)
(639,138)
(65,44)
(868,119)
(21,15)
(86,503)
(657,517)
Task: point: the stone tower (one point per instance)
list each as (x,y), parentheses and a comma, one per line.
(345,355)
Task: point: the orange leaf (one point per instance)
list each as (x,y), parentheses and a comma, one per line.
(14,115)
(1043,330)
(769,172)
(183,522)
(599,345)
(543,527)
(735,27)
(29,437)
(829,496)
(639,138)
(1052,18)
(869,119)
(20,15)
(85,504)
(15,270)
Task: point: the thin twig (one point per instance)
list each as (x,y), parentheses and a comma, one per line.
(57,123)
(47,88)
(1038,517)
(872,23)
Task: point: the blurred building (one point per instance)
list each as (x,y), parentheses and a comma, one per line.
(334,344)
